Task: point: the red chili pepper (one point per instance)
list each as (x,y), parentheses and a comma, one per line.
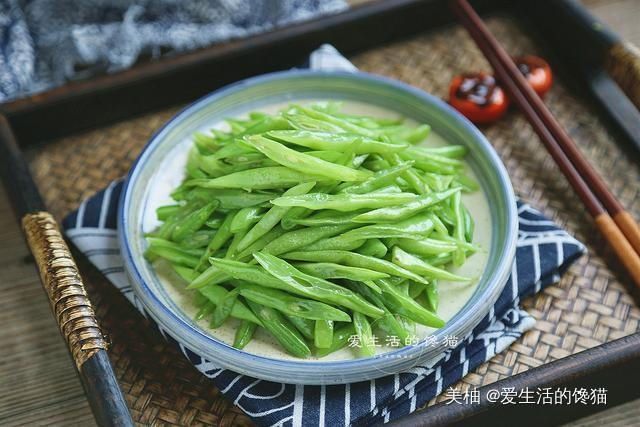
(478,97)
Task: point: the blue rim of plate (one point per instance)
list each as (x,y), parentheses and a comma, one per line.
(154,306)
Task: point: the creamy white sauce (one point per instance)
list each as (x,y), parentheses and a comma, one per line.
(453,296)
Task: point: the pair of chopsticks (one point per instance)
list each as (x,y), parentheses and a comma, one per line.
(613,221)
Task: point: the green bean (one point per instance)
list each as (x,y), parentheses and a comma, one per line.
(409,175)
(245,218)
(408,307)
(224,308)
(205,143)
(374,248)
(417,227)
(288,220)
(186,273)
(273,216)
(325,218)
(282,330)
(328,156)
(380,179)
(327,270)
(414,136)
(199,239)
(256,179)
(415,288)
(210,276)
(166,229)
(265,125)
(469,225)
(302,163)
(219,239)
(205,311)
(304,326)
(451,151)
(295,239)
(299,121)
(214,223)
(259,244)
(458,229)
(388,322)
(345,202)
(323,333)
(341,338)
(312,287)
(165,212)
(431,293)
(415,264)
(231,199)
(355,260)
(363,330)
(336,142)
(244,334)
(231,250)
(174,254)
(342,124)
(407,210)
(193,222)
(427,246)
(216,294)
(292,305)
(157,242)
(336,243)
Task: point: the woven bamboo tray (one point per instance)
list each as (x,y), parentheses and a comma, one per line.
(589,306)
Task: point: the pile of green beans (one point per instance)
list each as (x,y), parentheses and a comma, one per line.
(317,226)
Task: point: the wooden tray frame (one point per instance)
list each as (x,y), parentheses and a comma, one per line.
(87,104)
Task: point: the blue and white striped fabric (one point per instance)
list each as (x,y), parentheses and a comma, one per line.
(544,251)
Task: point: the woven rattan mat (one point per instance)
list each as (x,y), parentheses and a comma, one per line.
(588,307)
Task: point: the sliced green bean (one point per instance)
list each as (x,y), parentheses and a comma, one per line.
(313,287)
(323,333)
(336,142)
(328,270)
(336,243)
(295,239)
(398,213)
(363,330)
(415,264)
(408,307)
(165,212)
(341,338)
(244,334)
(292,305)
(345,202)
(374,248)
(216,294)
(380,179)
(224,308)
(245,218)
(273,216)
(355,260)
(281,329)
(304,326)
(257,179)
(303,163)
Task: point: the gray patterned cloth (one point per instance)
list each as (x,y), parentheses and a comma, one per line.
(45,43)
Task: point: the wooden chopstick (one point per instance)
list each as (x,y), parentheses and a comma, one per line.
(623,218)
(578,172)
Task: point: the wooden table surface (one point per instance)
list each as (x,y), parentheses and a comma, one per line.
(38,383)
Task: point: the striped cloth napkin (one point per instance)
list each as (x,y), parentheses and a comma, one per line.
(544,252)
